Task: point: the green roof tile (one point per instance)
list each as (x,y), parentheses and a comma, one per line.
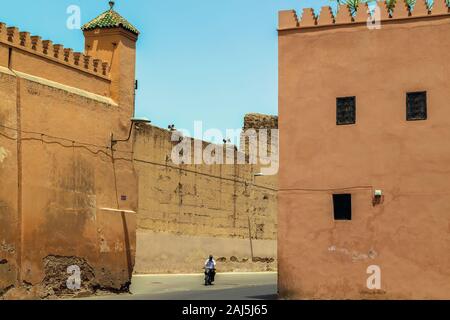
(110,19)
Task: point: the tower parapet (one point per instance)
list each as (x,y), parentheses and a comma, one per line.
(289,20)
(22,40)
(112,38)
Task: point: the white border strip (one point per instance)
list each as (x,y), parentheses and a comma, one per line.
(57,85)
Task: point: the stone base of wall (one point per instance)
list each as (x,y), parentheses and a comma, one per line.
(161,253)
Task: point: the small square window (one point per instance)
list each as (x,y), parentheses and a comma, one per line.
(346,111)
(416,106)
(342,204)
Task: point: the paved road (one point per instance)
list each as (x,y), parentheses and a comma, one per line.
(228,286)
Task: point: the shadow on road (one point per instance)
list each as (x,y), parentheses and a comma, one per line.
(265,297)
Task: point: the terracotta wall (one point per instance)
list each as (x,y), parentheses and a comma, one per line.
(206,208)
(408,234)
(65,199)
(8,185)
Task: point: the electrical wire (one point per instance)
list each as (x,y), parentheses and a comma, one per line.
(325,190)
(62,138)
(7,137)
(101,150)
(95,152)
(205,174)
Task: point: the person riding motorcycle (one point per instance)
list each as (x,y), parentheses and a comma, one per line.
(210,268)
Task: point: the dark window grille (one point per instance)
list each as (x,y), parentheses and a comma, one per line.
(342,204)
(416,106)
(346,111)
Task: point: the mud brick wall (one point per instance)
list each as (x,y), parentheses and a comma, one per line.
(65,198)
(187,212)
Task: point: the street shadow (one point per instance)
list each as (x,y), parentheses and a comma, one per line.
(265,297)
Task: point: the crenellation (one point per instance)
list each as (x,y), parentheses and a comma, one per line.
(105,68)
(13,35)
(3,34)
(77,57)
(68,55)
(58,51)
(46,45)
(309,18)
(86,61)
(421,8)
(384,11)
(326,16)
(343,14)
(363,13)
(95,64)
(25,39)
(440,7)
(288,18)
(36,43)
(401,10)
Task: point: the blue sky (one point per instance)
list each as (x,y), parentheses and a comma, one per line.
(208,60)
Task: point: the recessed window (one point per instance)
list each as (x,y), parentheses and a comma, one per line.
(342,204)
(346,111)
(416,106)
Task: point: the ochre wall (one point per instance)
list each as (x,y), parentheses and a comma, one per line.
(408,235)
(195,210)
(65,198)
(8,185)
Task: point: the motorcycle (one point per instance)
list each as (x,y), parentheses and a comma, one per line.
(209,276)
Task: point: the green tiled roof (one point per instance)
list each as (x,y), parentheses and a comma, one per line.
(110,19)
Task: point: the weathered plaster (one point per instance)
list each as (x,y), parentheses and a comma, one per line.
(406,235)
(4,153)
